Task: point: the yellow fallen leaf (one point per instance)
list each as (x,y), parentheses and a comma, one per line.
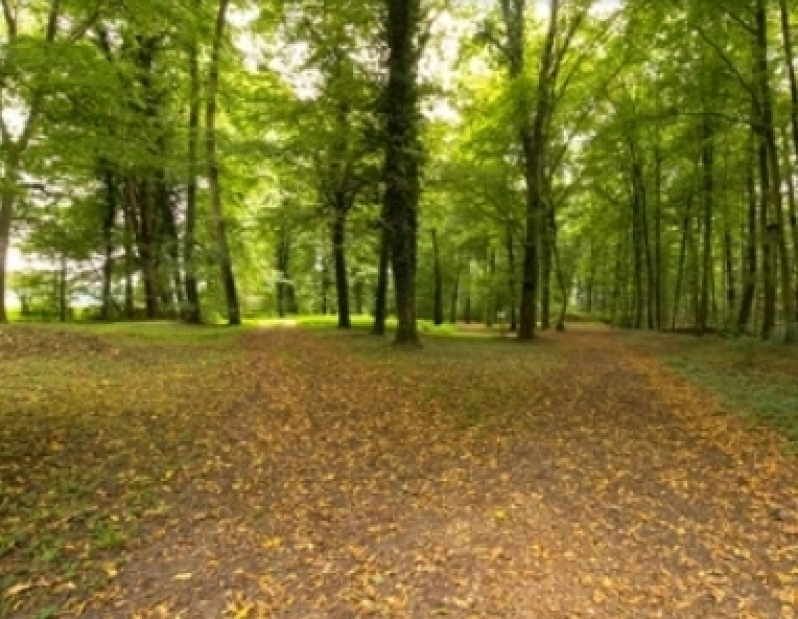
(183,576)
(20,587)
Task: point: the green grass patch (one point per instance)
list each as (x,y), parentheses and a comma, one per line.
(93,418)
(754,378)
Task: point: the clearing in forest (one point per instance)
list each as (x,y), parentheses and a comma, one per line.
(178,472)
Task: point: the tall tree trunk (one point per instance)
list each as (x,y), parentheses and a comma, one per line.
(358,290)
(789,61)
(437,293)
(531,129)
(510,249)
(140,208)
(63,289)
(403,159)
(214,190)
(750,272)
(454,298)
(381,295)
(193,313)
(339,258)
(707,186)
(6,217)
(130,257)
(778,229)
(546,251)
(493,300)
(677,295)
(282,260)
(109,221)
(768,282)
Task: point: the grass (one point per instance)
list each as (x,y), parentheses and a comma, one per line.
(91,419)
(753,378)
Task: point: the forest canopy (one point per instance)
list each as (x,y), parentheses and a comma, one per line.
(510,162)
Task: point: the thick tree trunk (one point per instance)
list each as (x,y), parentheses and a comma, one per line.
(749,274)
(339,258)
(437,293)
(777,230)
(214,189)
(403,159)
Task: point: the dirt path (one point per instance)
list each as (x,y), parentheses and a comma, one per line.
(332,490)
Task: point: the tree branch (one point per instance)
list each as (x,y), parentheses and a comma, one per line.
(52,21)
(11,20)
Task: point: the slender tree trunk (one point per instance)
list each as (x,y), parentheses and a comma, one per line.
(339,258)
(381,296)
(768,283)
(455,295)
(677,295)
(6,216)
(493,300)
(63,290)
(358,290)
(510,249)
(214,189)
(437,311)
(546,251)
(193,313)
(282,260)
(109,221)
(130,257)
(707,179)
(750,272)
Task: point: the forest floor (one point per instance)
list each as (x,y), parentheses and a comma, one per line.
(178,472)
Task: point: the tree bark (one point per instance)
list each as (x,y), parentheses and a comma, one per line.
(339,258)
(707,185)
(437,311)
(750,272)
(510,249)
(381,294)
(109,221)
(777,230)
(214,189)
(403,159)
(193,313)
(7,199)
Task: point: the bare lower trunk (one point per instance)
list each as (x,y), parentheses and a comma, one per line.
(381,295)
(341,274)
(437,293)
(6,215)
(214,189)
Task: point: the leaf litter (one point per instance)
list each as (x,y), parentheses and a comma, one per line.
(288,474)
